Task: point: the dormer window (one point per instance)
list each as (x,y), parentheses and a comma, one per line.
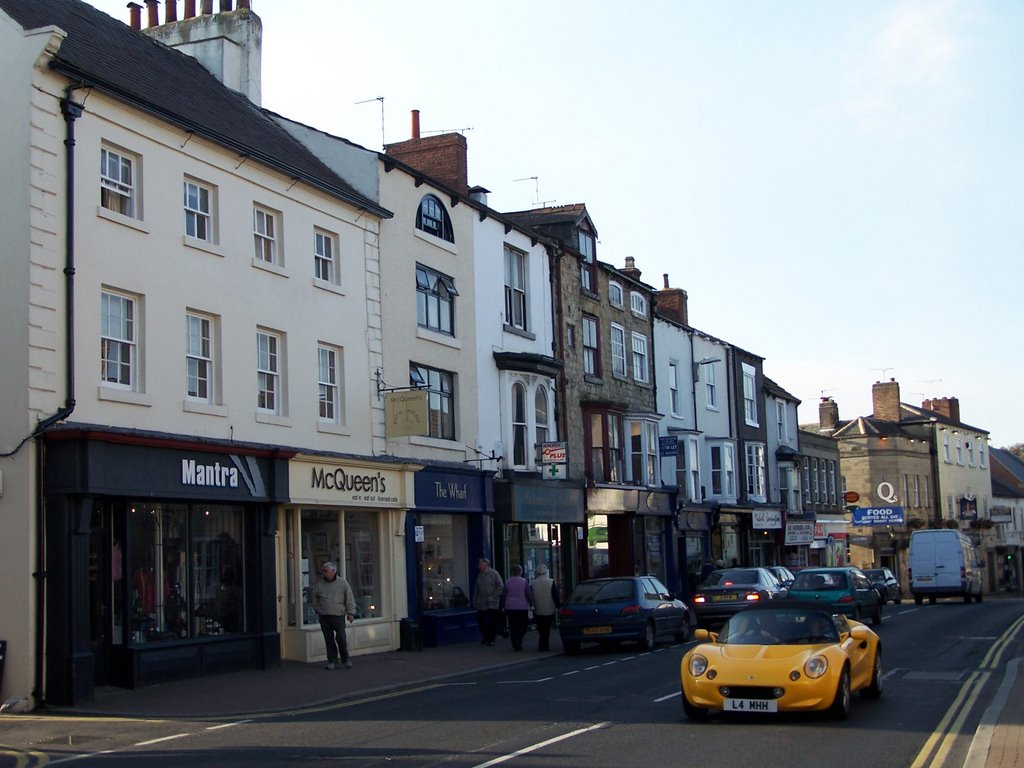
(433,219)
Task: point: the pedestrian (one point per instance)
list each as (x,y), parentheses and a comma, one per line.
(706,570)
(487,600)
(517,599)
(546,600)
(332,599)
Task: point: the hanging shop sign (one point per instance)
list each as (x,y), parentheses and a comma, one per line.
(877,516)
(405,413)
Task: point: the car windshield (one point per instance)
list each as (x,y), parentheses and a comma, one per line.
(727,578)
(779,627)
(875,574)
(597,592)
(819,580)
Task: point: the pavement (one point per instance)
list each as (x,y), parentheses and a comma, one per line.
(998,742)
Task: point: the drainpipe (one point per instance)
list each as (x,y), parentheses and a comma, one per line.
(71,111)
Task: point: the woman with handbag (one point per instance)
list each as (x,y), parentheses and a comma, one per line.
(517,598)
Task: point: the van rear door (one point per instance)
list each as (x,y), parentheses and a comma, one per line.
(948,562)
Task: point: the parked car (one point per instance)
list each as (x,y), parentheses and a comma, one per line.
(726,591)
(622,608)
(846,589)
(886,583)
(782,573)
(944,563)
(781,656)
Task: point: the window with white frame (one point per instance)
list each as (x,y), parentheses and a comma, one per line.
(638,303)
(329,383)
(815,482)
(693,469)
(970,453)
(325,256)
(118,340)
(710,386)
(924,495)
(959,451)
(199,370)
(823,468)
(604,446)
(917,490)
(515,288)
(520,428)
(615,295)
(723,470)
(264,229)
(618,350)
(755,467)
(432,218)
(807,479)
(268,371)
(981,454)
(832,499)
(750,395)
(440,386)
(643,451)
(780,421)
(585,242)
(117,182)
(542,415)
(946,456)
(673,387)
(435,300)
(784,486)
(591,347)
(641,370)
(199,210)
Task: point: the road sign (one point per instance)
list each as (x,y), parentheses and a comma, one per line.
(851,497)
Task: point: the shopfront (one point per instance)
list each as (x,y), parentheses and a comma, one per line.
(628,532)
(350,512)
(447,532)
(539,522)
(160,560)
(693,546)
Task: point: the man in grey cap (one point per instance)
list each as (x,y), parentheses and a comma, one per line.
(332,599)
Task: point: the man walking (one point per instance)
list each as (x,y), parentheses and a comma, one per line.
(486,600)
(332,599)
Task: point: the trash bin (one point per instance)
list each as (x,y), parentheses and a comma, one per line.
(410,637)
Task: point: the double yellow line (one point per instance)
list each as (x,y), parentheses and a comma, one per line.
(24,759)
(936,749)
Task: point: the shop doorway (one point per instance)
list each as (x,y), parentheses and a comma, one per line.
(105,572)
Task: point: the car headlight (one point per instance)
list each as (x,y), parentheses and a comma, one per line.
(816,667)
(698,665)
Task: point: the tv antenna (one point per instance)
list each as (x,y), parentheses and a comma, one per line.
(381,100)
(885,371)
(536,190)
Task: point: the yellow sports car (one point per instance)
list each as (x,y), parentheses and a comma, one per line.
(782,656)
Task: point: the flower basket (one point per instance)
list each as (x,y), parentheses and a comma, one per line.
(952,524)
(915,523)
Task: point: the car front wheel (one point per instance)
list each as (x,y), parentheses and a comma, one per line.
(874,689)
(840,708)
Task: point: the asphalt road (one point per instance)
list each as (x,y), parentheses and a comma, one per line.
(610,708)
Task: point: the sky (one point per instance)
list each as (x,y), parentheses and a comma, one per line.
(838,186)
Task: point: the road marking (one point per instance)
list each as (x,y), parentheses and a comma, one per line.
(596,666)
(977,754)
(24,759)
(539,745)
(162,738)
(516,682)
(226,725)
(574,672)
(83,756)
(670,696)
(609,663)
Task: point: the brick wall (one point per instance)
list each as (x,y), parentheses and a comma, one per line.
(442,157)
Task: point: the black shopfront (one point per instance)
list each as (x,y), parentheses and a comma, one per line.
(160,560)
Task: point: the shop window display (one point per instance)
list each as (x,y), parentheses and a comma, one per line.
(444,582)
(322,541)
(185,571)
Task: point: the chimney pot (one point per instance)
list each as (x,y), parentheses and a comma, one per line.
(170,11)
(135,16)
(190,9)
(665,277)
(225,5)
(415,123)
(206,6)
(154,14)
(244,4)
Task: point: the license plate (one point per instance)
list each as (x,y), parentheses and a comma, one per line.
(597,630)
(925,579)
(723,598)
(751,705)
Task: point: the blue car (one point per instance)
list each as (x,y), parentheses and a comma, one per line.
(611,610)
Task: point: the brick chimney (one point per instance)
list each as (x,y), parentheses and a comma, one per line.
(947,406)
(828,415)
(229,43)
(630,269)
(672,303)
(442,157)
(886,399)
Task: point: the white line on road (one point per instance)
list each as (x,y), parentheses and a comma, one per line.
(82,756)
(596,666)
(516,682)
(539,745)
(670,696)
(226,725)
(163,738)
(574,672)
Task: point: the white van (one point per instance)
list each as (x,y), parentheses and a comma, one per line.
(943,563)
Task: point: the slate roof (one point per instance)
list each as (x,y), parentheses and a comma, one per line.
(774,389)
(109,55)
(559,214)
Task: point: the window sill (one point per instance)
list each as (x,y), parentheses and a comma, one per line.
(590,293)
(114,395)
(435,241)
(120,218)
(323,285)
(590,378)
(328,428)
(518,332)
(202,245)
(274,269)
(428,335)
(435,442)
(207,409)
(272,418)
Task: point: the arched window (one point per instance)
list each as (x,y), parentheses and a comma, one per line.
(519,427)
(433,219)
(541,415)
